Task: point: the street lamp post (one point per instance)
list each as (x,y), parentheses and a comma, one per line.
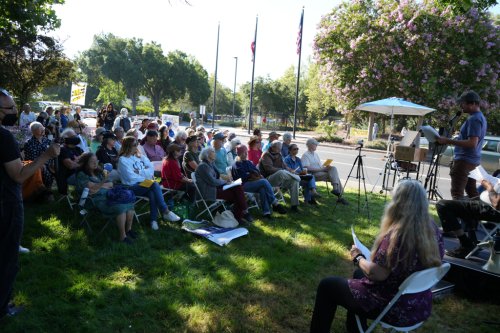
(234,89)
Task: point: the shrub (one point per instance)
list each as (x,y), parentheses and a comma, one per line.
(377,144)
(330,129)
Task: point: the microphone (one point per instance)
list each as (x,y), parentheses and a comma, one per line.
(453,120)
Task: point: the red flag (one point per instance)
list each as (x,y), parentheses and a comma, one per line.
(252,46)
(299,37)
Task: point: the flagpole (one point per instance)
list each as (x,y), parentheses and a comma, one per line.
(215,78)
(250,119)
(299,51)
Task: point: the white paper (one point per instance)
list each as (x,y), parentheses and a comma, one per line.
(364,250)
(233,184)
(479,174)
(430,133)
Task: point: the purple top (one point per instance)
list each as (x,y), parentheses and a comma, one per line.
(154,152)
(375,295)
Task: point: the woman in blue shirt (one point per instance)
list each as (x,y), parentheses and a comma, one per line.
(307,181)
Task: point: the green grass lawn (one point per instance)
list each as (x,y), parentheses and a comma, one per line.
(173,281)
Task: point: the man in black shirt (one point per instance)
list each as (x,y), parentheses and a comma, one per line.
(12,175)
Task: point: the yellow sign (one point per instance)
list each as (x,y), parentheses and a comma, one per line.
(78,93)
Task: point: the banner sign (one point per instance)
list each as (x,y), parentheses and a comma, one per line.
(202,109)
(78,91)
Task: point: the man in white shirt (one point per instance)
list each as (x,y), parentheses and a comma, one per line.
(311,161)
(26,117)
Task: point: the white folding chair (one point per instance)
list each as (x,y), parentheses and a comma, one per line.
(489,235)
(415,283)
(208,208)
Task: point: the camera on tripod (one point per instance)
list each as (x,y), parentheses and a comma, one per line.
(360,144)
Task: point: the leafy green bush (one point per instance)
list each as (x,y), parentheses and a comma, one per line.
(230,124)
(334,139)
(377,144)
(330,129)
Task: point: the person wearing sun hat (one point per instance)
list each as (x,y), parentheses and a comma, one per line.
(254,150)
(272,136)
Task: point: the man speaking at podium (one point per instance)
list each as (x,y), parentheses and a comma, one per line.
(467,155)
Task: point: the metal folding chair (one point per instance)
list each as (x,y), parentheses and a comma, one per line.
(208,207)
(489,234)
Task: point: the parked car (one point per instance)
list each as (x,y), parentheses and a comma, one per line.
(40,106)
(490,154)
(88,113)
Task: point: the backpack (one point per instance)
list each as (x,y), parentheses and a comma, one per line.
(125,124)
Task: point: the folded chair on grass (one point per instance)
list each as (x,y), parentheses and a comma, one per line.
(415,283)
(209,208)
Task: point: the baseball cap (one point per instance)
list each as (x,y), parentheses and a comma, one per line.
(99,131)
(273,133)
(219,136)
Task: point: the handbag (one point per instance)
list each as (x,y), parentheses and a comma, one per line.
(225,219)
(119,195)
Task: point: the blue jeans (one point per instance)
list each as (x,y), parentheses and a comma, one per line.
(156,201)
(308,185)
(265,191)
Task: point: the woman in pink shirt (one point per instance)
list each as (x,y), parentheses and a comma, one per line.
(153,151)
(254,150)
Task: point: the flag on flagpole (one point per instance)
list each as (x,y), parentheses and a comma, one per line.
(299,36)
(252,46)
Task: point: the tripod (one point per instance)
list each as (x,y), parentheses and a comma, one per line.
(360,175)
(433,173)
(389,163)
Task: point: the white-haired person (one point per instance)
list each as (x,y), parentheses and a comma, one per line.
(409,241)
(287,140)
(231,154)
(134,168)
(307,181)
(210,185)
(180,139)
(254,182)
(311,161)
(122,120)
(35,147)
(273,167)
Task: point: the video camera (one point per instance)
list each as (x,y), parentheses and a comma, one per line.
(360,144)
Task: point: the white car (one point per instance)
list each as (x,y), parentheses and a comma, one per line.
(88,113)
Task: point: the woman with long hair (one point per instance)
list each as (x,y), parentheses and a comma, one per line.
(134,168)
(164,139)
(409,241)
(171,173)
(91,176)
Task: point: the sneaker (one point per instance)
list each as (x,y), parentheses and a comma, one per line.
(154,225)
(247,217)
(459,252)
(127,240)
(343,201)
(280,209)
(132,234)
(171,217)
(294,209)
(23,249)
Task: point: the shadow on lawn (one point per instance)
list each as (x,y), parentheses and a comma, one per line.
(171,281)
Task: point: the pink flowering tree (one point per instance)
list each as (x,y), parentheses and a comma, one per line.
(368,50)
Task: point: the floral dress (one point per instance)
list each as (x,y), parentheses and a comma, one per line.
(373,296)
(32,150)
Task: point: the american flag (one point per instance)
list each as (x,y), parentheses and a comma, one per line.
(252,46)
(299,36)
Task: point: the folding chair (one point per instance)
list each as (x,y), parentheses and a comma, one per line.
(208,208)
(84,212)
(66,188)
(251,197)
(489,235)
(415,283)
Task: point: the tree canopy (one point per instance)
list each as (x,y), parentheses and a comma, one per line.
(368,50)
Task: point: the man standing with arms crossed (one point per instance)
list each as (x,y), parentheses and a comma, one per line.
(12,175)
(467,155)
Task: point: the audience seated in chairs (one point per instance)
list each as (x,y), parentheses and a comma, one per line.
(164,139)
(180,139)
(190,159)
(68,159)
(254,150)
(134,169)
(210,185)
(311,161)
(307,181)
(154,152)
(220,155)
(78,127)
(253,182)
(107,153)
(272,167)
(231,150)
(119,132)
(91,176)
(97,140)
(285,147)
(486,207)
(35,146)
(409,241)
(171,173)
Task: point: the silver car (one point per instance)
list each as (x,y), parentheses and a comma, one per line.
(490,155)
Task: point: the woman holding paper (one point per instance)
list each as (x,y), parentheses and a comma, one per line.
(210,185)
(409,241)
(134,169)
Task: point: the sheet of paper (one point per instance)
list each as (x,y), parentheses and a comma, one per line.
(479,173)
(233,184)
(327,162)
(364,250)
(430,133)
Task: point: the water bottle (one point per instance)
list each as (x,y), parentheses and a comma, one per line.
(85,194)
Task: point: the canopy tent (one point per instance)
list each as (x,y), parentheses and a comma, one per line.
(394,106)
